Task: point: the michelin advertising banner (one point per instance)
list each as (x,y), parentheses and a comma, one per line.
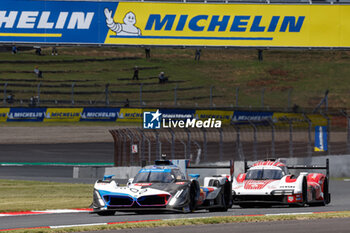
(174,24)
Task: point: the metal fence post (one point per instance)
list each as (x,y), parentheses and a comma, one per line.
(198,157)
(290,98)
(5,87)
(39,84)
(115,136)
(255,141)
(290,138)
(205,149)
(328,131)
(134,135)
(188,143)
(273,129)
(175,95)
(131,159)
(211,96)
(172,143)
(142,149)
(185,148)
(238,143)
(237,94)
(348,136)
(221,143)
(157,144)
(106,94)
(347,131)
(141,86)
(123,154)
(144,137)
(72,95)
(309,143)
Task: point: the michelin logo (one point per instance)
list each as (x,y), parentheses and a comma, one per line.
(45,20)
(128,28)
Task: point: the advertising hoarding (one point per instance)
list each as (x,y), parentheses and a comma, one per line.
(174,24)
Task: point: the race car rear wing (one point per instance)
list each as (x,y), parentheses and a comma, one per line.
(313,167)
(230,166)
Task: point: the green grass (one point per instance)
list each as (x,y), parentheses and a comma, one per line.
(307,73)
(33,195)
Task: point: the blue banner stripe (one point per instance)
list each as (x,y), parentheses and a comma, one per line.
(193,37)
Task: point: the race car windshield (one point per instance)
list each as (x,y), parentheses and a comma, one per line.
(154,177)
(264,174)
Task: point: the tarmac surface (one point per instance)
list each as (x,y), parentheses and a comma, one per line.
(340,191)
(340,225)
(97,152)
(89,150)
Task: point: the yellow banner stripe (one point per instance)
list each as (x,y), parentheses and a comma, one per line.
(32,34)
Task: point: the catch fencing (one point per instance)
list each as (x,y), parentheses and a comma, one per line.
(239,141)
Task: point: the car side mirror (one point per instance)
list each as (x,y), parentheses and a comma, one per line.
(194,176)
(130,181)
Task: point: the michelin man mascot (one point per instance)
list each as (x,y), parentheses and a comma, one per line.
(128,28)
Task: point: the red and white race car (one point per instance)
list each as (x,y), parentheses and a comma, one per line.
(269,183)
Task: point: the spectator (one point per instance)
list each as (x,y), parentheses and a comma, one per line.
(54,51)
(10,98)
(260,54)
(136,73)
(197,54)
(38,72)
(33,101)
(38,51)
(148,52)
(162,78)
(126,104)
(14,49)
(295,108)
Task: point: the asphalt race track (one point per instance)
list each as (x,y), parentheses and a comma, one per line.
(340,191)
(101,152)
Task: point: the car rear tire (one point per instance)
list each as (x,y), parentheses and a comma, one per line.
(224,197)
(193,196)
(326,197)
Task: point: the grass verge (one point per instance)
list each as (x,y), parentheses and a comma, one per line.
(193,221)
(33,195)
(304,75)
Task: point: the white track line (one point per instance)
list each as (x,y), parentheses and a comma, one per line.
(79,225)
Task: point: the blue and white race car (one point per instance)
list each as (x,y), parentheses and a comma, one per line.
(162,187)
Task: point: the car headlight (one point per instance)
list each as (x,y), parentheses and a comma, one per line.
(283,192)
